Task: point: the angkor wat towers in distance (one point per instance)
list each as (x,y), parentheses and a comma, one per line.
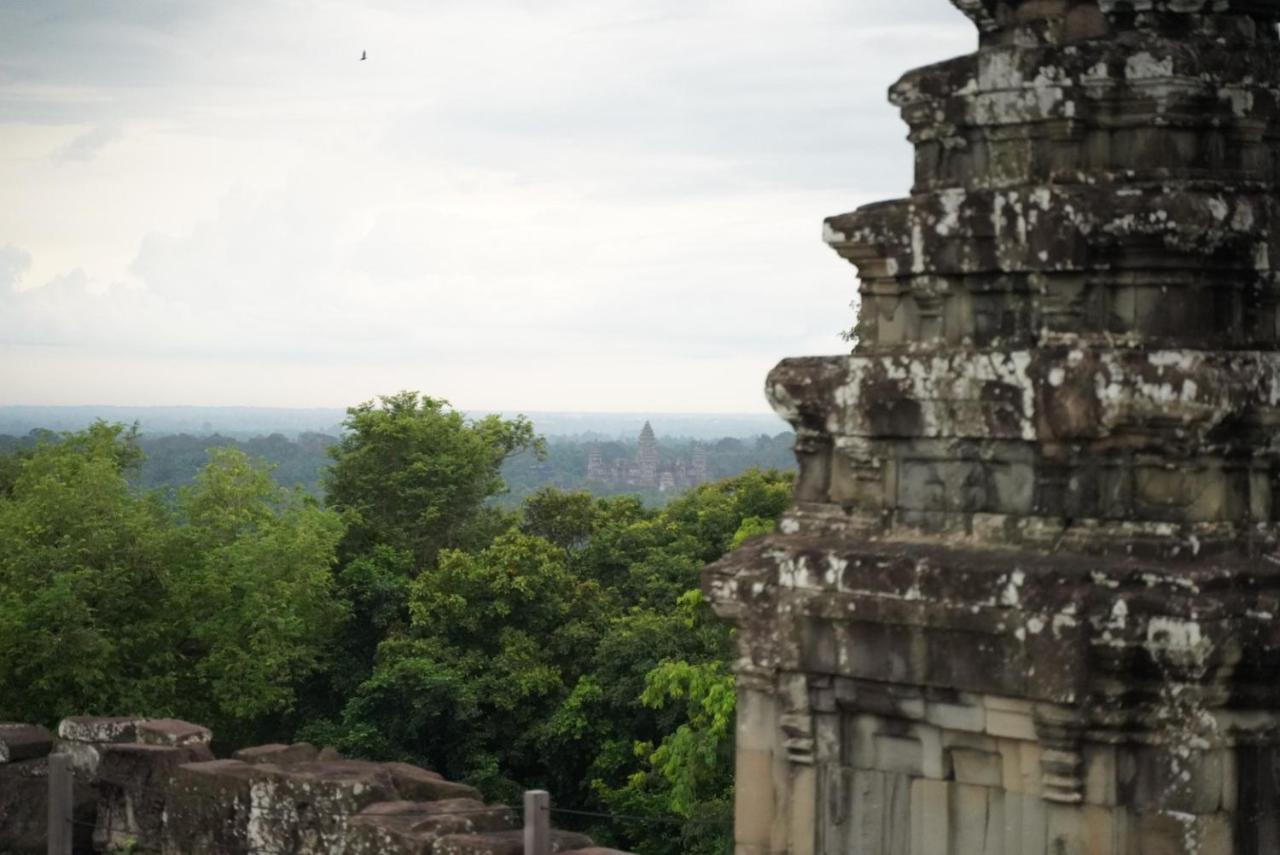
(1026,601)
(648,470)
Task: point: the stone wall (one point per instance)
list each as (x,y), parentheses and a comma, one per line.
(1025,602)
(153,785)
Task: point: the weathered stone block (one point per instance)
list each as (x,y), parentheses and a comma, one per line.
(320,807)
(930,817)
(24,809)
(215,807)
(1010,725)
(23,741)
(977,767)
(968,717)
(281,755)
(878,811)
(895,754)
(133,782)
(754,822)
(418,784)
(172,731)
(505,843)
(976,821)
(860,740)
(1025,824)
(92,728)
(1175,778)
(81,737)
(1100,774)
(1176,833)
(1066,829)
(1106,831)
(970,740)
(24,816)
(880,699)
(412,828)
(1005,704)
(306,807)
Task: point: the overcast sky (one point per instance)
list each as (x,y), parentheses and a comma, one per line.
(555,205)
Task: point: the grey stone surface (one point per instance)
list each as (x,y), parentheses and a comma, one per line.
(1037,504)
(172,731)
(133,782)
(153,785)
(504,843)
(279,754)
(89,728)
(23,741)
(24,806)
(85,738)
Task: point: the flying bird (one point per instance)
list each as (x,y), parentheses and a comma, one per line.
(364,54)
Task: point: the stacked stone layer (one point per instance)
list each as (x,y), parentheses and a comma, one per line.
(1026,601)
(1073,318)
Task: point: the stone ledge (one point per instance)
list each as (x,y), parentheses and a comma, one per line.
(1050,629)
(23,742)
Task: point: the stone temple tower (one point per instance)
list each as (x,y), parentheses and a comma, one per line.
(1028,599)
(647,457)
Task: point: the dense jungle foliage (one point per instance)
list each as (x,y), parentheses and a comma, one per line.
(171,460)
(562,645)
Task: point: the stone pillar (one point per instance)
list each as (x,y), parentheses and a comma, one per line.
(1026,600)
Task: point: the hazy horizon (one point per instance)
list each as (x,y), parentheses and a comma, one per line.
(18,420)
(561,206)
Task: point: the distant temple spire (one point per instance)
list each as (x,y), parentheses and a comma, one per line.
(647,457)
(647,470)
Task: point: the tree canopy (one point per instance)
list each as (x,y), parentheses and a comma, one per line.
(412,474)
(111,601)
(563,645)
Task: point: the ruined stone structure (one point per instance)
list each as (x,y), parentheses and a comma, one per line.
(647,456)
(154,785)
(1026,602)
(647,470)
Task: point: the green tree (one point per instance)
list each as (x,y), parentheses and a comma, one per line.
(495,643)
(85,569)
(564,646)
(671,755)
(111,603)
(565,519)
(258,590)
(413,474)
(576,653)
(689,773)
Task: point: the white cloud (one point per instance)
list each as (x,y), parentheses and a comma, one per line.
(86,146)
(557,205)
(14,262)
